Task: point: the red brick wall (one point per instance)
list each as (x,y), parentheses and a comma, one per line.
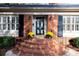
(27,23)
(53,23)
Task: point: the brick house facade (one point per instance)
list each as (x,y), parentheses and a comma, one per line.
(19,19)
(53,21)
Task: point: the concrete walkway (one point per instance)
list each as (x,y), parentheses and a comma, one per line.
(71,52)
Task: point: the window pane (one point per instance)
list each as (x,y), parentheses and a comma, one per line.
(73,27)
(13,26)
(4,19)
(68,19)
(13,19)
(64,19)
(8,26)
(73,20)
(77,27)
(77,20)
(4,26)
(8,20)
(17,20)
(0,26)
(17,26)
(71,23)
(68,27)
(64,27)
(0,19)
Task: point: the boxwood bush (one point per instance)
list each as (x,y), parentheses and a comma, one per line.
(74,42)
(6,41)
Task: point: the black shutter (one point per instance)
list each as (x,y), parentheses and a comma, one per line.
(21,25)
(60,26)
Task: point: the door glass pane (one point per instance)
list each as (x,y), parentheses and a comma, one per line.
(42,31)
(41,24)
(38,31)
(37,24)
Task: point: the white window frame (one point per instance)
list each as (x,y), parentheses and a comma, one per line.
(70,32)
(10,32)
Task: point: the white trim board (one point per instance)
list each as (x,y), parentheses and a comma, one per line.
(42,13)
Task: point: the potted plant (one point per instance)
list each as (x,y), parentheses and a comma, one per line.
(49,35)
(30,35)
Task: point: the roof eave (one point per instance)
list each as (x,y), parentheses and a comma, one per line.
(39,9)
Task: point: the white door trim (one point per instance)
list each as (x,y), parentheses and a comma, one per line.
(42,13)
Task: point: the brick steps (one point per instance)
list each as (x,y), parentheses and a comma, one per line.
(40,47)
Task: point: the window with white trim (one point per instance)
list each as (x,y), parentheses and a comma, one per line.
(9,25)
(71,26)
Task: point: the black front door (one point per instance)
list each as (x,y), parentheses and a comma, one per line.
(39,25)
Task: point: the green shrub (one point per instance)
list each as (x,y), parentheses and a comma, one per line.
(75,42)
(6,41)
